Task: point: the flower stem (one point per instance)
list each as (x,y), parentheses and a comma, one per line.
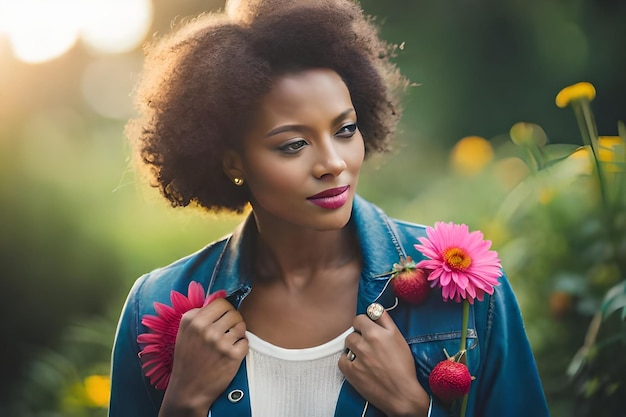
(464,326)
(536,155)
(589,133)
(464,405)
(587,126)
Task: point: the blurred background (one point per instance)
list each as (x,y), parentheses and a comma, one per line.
(77,227)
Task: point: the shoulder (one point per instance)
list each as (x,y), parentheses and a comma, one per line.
(156,285)
(409,228)
(368,211)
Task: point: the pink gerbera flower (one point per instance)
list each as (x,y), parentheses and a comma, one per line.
(460,262)
(157,356)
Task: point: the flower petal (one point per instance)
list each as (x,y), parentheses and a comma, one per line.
(166,312)
(195,293)
(180,303)
(212,297)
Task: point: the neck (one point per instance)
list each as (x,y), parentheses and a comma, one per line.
(297,256)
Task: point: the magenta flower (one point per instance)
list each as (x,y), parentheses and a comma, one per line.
(460,262)
(157,356)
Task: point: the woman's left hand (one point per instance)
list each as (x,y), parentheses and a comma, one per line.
(383,368)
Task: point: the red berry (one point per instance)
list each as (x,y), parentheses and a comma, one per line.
(450,380)
(408,282)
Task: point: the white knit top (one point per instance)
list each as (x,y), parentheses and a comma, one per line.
(294,382)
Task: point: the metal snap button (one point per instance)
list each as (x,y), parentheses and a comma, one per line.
(235,395)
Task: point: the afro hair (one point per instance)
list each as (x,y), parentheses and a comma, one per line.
(200,84)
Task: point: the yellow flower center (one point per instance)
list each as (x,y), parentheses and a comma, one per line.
(457,258)
(575,92)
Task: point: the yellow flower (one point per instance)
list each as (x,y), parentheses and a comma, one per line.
(471,154)
(98,390)
(575,92)
(528,134)
(611,148)
(612,152)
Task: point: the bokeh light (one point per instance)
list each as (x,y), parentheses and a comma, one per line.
(41,30)
(106,85)
(98,390)
(116,26)
(470,155)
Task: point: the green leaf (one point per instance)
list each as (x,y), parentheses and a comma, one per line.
(577,363)
(556,152)
(614,300)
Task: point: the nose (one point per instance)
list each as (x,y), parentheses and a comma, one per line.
(329,160)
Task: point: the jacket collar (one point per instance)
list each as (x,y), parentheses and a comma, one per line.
(378,239)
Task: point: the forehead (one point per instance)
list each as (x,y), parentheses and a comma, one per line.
(306,94)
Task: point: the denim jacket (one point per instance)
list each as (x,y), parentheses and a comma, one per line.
(498,352)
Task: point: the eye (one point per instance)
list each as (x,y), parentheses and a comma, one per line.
(293,147)
(347,131)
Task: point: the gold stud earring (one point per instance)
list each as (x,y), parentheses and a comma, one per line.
(238,181)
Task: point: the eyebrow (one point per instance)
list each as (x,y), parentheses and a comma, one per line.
(300,128)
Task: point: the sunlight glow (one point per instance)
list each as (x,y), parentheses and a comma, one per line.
(41,30)
(115,26)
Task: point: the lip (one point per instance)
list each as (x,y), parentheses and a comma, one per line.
(332,198)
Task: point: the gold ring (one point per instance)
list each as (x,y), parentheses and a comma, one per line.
(351,355)
(375,311)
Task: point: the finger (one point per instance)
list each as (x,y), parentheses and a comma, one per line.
(385,321)
(216,309)
(235,333)
(235,341)
(232,343)
(363,324)
(240,348)
(213,311)
(353,340)
(230,319)
(347,359)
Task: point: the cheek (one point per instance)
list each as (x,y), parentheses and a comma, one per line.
(356,155)
(273,175)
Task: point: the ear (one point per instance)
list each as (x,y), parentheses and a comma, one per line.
(232,165)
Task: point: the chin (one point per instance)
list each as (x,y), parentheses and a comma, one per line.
(337,220)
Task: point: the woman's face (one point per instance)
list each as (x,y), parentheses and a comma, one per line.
(302,156)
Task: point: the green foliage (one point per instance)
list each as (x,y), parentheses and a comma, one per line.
(573,237)
(56,378)
(53,272)
(615,300)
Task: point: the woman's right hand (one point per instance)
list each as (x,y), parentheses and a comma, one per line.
(210,346)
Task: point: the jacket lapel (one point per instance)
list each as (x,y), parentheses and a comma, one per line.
(350,403)
(380,249)
(235,400)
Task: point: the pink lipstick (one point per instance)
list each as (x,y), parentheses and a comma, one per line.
(332,198)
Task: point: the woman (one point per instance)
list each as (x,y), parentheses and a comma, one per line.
(276,104)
